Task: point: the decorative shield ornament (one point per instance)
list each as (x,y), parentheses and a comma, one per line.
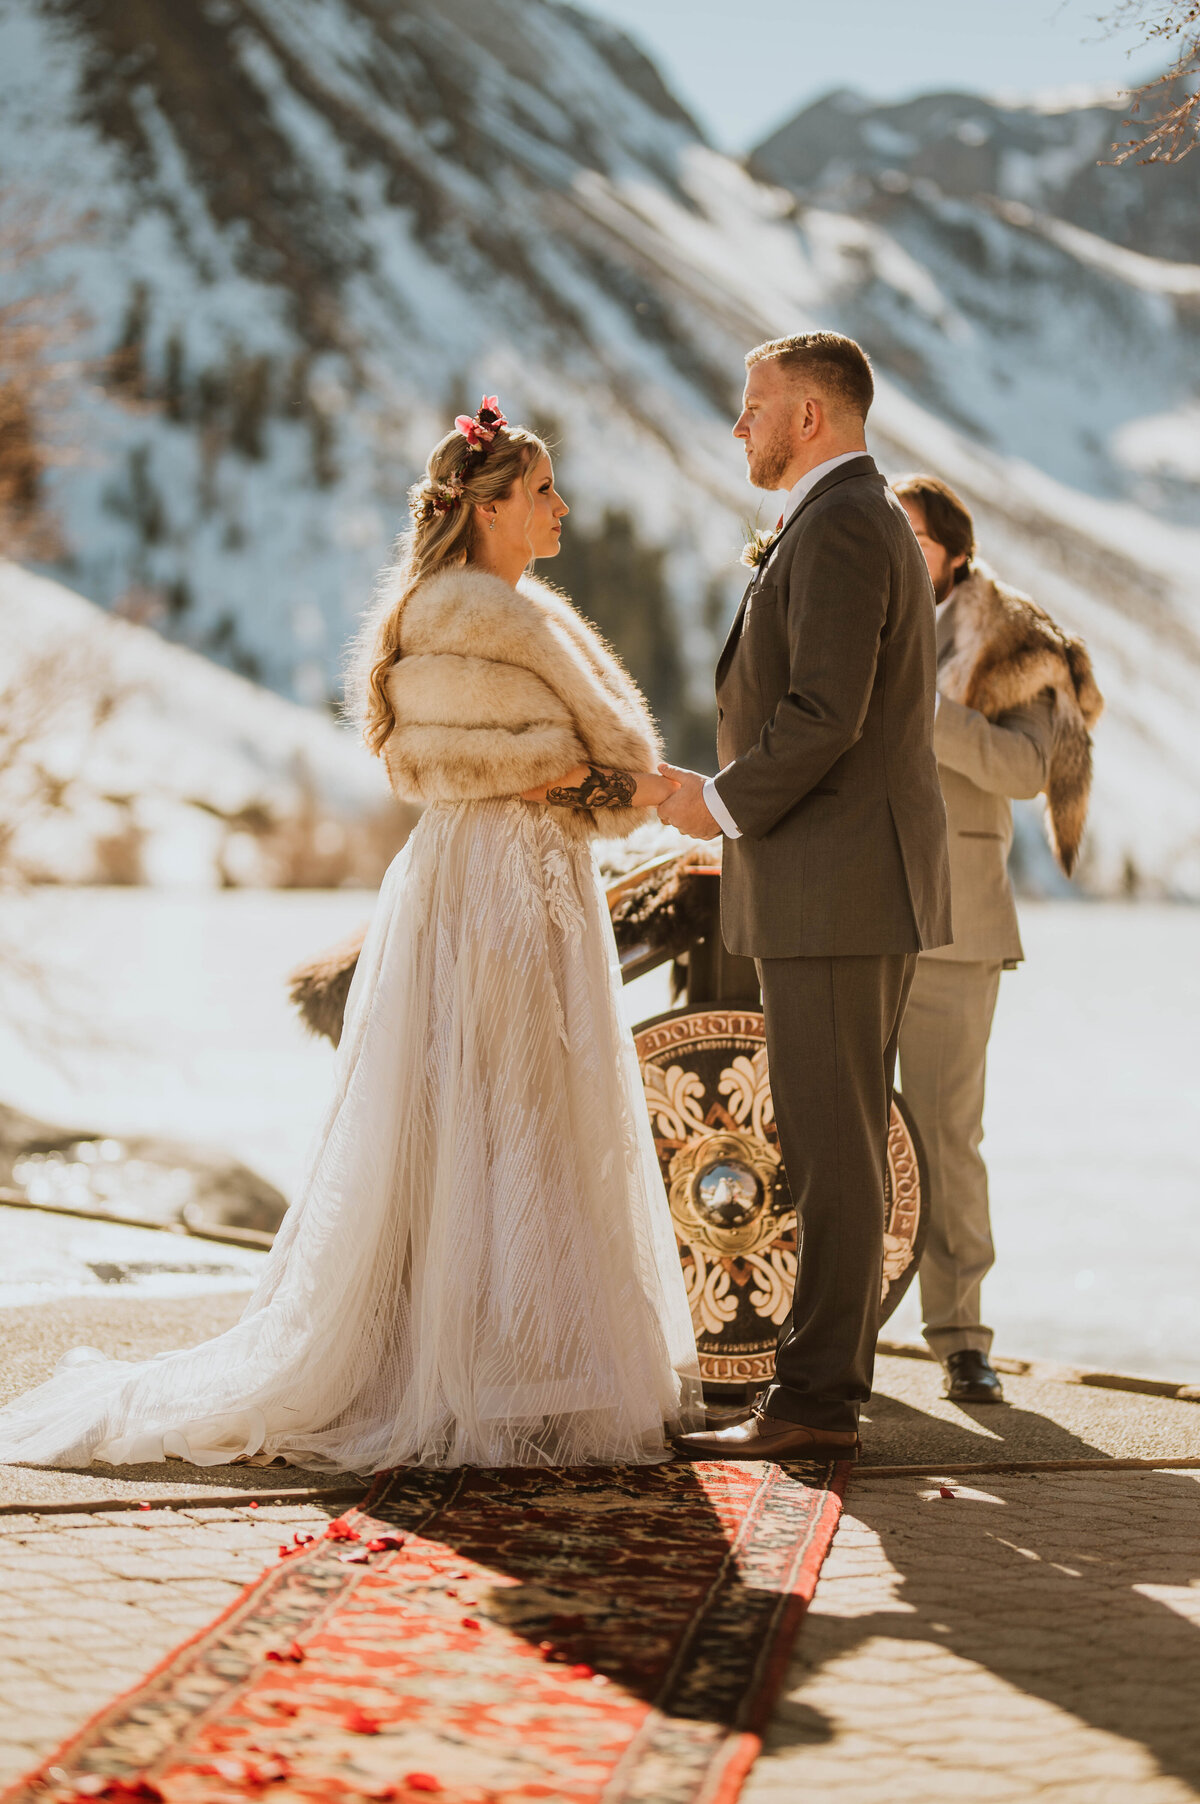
(709,1097)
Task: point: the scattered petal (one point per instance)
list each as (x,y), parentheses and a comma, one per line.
(361,1722)
(340,1530)
(251,1506)
(945,1491)
(294,1652)
(422,1782)
(582,1672)
(357,1557)
(469,1622)
(118,1791)
(143,1506)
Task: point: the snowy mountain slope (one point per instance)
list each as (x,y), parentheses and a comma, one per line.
(124,759)
(969,245)
(319,227)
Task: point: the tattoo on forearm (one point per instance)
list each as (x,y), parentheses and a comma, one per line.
(599,789)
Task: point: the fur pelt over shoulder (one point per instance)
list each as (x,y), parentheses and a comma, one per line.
(497,690)
(1007,651)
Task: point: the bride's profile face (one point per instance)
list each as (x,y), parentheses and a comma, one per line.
(521,532)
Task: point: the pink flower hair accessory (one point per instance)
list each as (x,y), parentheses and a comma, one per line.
(447,494)
(480,431)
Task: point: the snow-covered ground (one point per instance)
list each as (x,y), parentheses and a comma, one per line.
(124,759)
(1094,1096)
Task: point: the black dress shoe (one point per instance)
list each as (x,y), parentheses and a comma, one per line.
(971,1378)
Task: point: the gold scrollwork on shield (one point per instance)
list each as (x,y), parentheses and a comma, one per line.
(721,1189)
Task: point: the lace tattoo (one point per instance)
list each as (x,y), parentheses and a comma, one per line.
(599,789)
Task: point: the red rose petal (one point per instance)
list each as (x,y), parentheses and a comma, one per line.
(340,1530)
(945,1491)
(141,1506)
(251,1506)
(469,1622)
(360,1722)
(357,1557)
(382,1543)
(422,1782)
(582,1672)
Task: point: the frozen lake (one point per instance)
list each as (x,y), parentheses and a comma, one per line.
(172,1017)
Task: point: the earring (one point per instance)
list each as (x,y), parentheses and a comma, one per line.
(492,524)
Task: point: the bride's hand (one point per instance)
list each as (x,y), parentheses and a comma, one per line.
(592,786)
(653,789)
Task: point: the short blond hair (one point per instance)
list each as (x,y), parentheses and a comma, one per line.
(836,365)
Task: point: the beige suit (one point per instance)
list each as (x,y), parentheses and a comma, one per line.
(943,1040)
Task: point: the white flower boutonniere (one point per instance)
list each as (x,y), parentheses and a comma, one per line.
(757,547)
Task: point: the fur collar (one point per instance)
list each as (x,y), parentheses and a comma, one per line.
(497,690)
(468,612)
(1007,652)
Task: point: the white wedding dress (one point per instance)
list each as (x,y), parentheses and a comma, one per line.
(479,1268)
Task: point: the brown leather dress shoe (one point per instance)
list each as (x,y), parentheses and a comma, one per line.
(768,1437)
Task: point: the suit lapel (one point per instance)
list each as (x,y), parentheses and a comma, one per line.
(860,466)
(736,629)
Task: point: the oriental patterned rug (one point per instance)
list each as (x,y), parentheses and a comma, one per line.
(592,1636)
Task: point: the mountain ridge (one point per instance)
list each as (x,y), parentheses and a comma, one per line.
(320,231)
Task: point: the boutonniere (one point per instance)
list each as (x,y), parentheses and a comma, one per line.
(757,547)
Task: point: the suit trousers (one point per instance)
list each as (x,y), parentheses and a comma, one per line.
(833,1027)
(943,1062)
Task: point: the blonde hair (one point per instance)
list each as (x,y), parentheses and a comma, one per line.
(443,536)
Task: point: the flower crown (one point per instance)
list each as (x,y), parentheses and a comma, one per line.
(442,495)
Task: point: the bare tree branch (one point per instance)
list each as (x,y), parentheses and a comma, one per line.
(1166,110)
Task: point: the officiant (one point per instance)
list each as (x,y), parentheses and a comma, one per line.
(1016,699)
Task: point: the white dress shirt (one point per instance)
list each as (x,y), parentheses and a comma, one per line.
(805,486)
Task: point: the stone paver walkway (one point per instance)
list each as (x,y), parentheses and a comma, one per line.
(1030,1638)
(92,1602)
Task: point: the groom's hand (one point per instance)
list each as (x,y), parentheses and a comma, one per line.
(686,808)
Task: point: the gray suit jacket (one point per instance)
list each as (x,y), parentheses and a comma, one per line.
(982,763)
(825,694)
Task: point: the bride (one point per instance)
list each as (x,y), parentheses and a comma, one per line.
(479,1267)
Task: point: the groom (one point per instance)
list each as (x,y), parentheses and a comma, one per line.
(835,868)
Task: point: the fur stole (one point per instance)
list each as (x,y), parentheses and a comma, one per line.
(1007,651)
(497,690)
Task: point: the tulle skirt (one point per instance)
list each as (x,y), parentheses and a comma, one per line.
(479,1268)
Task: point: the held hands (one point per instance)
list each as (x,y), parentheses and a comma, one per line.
(687,809)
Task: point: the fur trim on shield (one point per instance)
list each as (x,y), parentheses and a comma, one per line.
(1007,652)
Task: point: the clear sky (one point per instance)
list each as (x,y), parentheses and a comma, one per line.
(744,66)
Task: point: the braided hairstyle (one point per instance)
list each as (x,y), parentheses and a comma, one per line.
(459,476)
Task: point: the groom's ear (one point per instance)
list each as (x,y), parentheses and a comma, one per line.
(809,417)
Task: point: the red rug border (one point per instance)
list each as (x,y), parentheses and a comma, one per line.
(63,1750)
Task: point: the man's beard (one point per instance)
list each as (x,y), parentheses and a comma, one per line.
(766,468)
